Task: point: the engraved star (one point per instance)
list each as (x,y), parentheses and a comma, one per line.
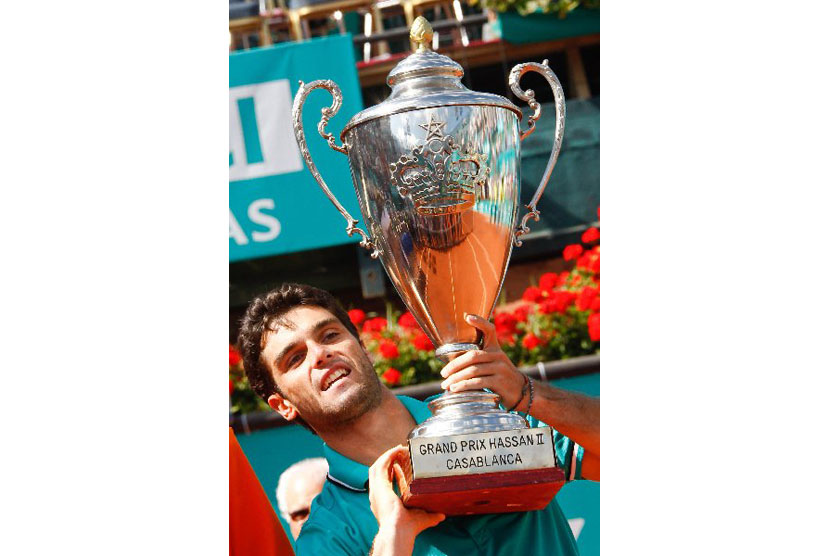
(432,128)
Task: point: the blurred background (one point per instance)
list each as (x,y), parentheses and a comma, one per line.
(283,228)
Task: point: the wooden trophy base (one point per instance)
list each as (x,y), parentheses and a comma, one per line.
(483,493)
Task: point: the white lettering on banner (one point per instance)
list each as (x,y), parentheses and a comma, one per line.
(270,132)
(256,216)
(263,219)
(236,232)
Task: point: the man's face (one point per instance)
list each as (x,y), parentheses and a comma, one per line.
(298,496)
(321,369)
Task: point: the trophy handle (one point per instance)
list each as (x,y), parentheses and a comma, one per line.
(559,102)
(327,113)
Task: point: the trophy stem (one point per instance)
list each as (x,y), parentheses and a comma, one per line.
(467,412)
(448,352)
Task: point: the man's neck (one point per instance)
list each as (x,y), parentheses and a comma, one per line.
(367,437)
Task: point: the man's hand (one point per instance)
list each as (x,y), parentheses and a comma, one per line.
(397,525)
(573,414)
(488,367)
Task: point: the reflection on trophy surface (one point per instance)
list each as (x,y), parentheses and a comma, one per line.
(442,183)
(458,194)
(436,171)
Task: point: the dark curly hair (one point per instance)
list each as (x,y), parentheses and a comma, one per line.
(259,318)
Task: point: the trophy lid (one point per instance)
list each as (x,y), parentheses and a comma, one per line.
(423,62)
(426,79)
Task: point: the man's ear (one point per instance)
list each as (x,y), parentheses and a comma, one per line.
(283,407)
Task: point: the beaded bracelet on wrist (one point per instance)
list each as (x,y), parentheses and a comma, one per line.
(522,395)
(530,401)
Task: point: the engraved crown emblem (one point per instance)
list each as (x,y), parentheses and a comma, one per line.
(437,175)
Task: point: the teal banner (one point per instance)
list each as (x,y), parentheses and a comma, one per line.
(276,205)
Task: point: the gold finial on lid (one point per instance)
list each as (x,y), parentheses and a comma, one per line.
(421,33)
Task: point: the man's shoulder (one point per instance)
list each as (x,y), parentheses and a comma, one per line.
(410,402)
(331,501)
(340,522)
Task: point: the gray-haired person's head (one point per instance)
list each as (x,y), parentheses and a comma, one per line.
(297,487)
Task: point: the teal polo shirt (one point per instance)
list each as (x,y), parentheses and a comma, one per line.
(341,521)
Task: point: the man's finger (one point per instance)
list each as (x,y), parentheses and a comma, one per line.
(428,519)
(398,474)
(487,328)
(380,470)
(472,384)
(466,373)
(475,357)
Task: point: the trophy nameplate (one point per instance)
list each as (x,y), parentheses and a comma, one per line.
(485,452)
(490,472)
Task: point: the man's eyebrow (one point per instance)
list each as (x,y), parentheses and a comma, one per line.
(317,327)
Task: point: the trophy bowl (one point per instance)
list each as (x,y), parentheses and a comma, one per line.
(436,171)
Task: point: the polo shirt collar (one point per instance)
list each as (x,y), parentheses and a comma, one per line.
(355,476)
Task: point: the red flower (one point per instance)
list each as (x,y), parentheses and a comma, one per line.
(532,293)
(593,327)
(422,342)
(563,278)
(407,321)
(231,386)
(392,376)
(547,307)
(584,261)
(593,266)
(595,305)
(548,280)
(234,357)
(565,299)
(377,324)
(505,323)
(590,235)
(571,252)
(388,350)
(357,316)
(531,341)
(521,313)
(586,298)
(558,303)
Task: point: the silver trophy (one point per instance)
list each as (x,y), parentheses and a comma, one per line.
(436,170)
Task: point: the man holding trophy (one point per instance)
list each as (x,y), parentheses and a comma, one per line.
(436,171)
(304,356)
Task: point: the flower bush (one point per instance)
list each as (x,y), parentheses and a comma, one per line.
(242,398)
(560,7)
(559,318)
(401,352)
(556,318)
